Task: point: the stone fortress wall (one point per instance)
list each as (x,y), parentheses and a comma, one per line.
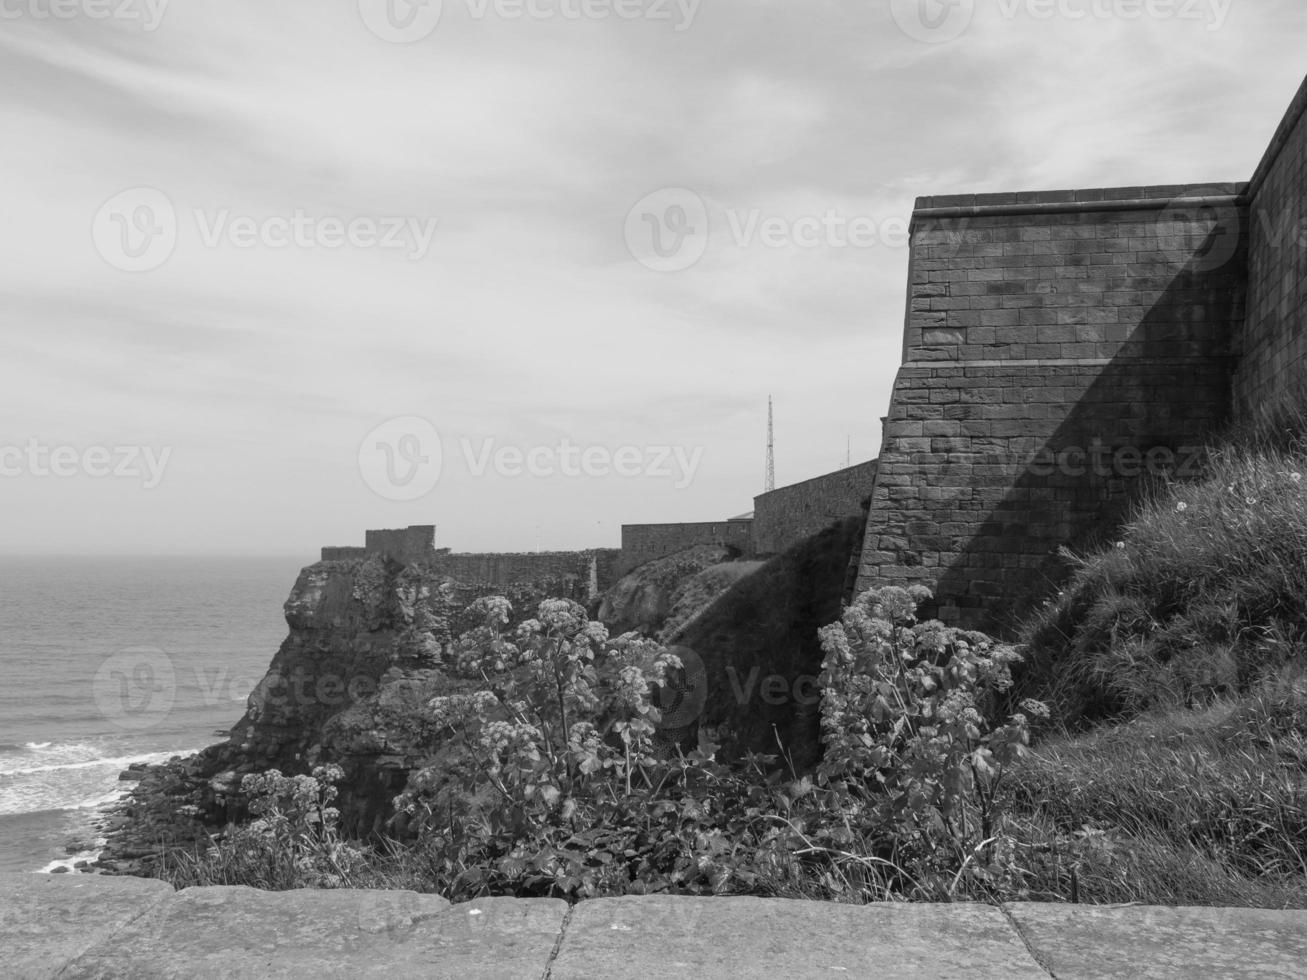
(1060,348)
(788,515)
(596,567)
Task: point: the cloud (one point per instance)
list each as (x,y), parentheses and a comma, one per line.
(527,142)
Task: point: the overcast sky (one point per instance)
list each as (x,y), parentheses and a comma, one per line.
(292,270)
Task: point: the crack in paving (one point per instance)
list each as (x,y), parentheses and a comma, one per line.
(558,944)
(1042,961)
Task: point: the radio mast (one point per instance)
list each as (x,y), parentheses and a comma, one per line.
(771,452)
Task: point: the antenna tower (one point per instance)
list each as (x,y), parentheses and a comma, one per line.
(771,452)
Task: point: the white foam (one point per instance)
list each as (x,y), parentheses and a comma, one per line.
(71,785)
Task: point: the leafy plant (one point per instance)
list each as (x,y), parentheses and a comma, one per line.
(907,744)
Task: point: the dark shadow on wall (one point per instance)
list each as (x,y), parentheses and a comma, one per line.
(1166,392)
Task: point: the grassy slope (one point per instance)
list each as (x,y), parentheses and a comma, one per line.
(1175,661)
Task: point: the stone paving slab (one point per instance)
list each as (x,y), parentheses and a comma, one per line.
(222,932)
(48,920)
(1097,942)
(93,926)
(731,938)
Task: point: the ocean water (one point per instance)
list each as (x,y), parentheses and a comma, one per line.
(109,661)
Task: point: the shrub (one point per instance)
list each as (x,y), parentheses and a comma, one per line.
(293,843)
(908,745)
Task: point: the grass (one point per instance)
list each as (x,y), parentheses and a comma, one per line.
(1205,593)
(1177,807)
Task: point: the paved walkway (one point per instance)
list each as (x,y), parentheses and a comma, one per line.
(82,926)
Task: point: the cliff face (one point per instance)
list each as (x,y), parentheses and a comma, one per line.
(362,657)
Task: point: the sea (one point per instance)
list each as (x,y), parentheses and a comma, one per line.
(109,661)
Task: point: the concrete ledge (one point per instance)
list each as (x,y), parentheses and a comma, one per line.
(1086,942)
(84,926)
(243,932)
(728,938)
(47,921)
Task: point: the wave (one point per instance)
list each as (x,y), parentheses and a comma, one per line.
(71,785)
(121,761)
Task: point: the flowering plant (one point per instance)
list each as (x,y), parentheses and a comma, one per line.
(906,739)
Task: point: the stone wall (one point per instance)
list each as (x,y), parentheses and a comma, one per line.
(645,542)
(596,570)
(1274,343)
(408,544)
(784,517)
(1058,348)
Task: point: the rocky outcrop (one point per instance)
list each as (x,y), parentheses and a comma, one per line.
(363,655)
(646,597)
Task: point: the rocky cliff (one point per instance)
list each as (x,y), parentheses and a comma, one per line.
(364,654)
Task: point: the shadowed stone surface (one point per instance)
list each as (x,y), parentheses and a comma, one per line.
(242,932)
(1081,942)
(726,938)
(48,920)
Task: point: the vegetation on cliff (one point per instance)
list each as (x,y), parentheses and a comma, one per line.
(548,779)
(1162,695)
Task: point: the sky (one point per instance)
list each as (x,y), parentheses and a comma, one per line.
(274,273)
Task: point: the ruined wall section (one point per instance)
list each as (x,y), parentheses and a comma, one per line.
(1058,346)
(1274,343)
